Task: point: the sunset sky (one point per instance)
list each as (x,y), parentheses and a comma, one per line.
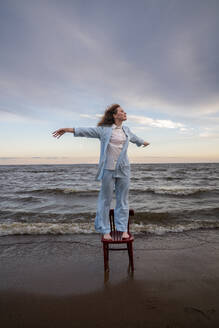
(62,62)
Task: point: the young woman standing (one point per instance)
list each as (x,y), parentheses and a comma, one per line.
(114,167)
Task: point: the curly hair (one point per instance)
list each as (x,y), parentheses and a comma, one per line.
(107,118)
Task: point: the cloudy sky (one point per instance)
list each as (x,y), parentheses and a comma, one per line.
(62,62)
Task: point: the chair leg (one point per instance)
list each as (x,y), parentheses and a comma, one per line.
(106,257)
(130,252)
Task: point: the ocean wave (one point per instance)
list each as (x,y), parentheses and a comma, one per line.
(63,191)
(161,217)
(28,199)
(176,191)
(178,227)
(18,228)
(151,169)
(170,217)
(44,171)
(29,216)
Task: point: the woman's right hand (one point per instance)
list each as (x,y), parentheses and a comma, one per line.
(58,133)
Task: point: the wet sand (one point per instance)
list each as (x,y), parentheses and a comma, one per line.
(59,281)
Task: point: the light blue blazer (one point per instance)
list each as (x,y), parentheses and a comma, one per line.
(104,134)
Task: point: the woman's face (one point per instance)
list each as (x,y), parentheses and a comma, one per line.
(120,115)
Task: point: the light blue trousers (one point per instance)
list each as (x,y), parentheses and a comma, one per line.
(121,213)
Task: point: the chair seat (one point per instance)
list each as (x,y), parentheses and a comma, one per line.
(117,238)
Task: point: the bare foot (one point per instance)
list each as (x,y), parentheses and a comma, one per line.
(107,236)
(125,235)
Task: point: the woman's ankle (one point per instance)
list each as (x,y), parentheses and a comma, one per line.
(107,236)
(125,234)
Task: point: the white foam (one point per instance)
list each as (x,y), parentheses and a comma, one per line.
(161,229)
(18,228)
(184,191)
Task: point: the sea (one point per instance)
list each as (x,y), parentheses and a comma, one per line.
(61,199)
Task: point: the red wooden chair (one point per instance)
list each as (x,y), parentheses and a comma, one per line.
(117,239)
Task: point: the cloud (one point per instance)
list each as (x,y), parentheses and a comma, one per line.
(93,117)
(88,116)
(153,55)
(209,133)
(157,123)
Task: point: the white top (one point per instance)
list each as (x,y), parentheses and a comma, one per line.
(115,146)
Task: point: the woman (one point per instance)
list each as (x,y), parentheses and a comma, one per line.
(114,167)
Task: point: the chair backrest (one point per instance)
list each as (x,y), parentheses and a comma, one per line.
(112,221)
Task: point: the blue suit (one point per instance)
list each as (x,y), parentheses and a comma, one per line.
(120,177)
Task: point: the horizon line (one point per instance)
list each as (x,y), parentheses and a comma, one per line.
(37,160)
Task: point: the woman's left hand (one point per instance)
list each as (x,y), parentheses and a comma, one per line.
(145,144)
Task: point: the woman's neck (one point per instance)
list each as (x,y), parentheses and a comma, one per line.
(118,123)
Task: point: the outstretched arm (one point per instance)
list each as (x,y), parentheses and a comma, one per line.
(90,132)
(138,141)
(94,132)
(58,133)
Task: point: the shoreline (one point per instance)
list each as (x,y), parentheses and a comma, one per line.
(53,281)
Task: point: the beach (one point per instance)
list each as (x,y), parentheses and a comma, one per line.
(59,280)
